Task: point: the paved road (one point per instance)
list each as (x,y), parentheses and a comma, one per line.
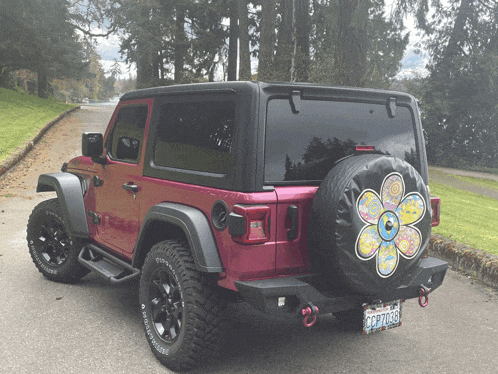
(465,173)
(448,177)
(93,327)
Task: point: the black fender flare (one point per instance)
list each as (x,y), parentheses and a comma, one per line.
(197,230)
(70,193)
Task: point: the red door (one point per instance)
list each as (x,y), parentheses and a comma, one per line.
(117,189)
(118,207)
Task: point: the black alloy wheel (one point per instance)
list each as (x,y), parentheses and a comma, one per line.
(53,243)
(166,305)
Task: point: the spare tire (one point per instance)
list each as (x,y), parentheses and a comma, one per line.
(369,224)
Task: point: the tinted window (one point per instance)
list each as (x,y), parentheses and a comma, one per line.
(305,146)
(195,136)
(126,140)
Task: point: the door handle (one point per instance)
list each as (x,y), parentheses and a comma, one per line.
(130,187)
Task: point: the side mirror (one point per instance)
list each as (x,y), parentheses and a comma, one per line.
(92,145)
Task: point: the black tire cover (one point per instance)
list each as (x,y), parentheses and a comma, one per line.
(369,225)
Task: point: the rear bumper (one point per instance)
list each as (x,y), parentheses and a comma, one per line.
(299,293)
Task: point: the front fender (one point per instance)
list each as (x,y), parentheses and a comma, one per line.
(70,195)
(196,228)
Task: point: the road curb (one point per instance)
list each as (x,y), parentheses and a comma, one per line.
(15,157)
(474,262)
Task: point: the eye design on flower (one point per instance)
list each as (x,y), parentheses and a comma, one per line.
(388,233)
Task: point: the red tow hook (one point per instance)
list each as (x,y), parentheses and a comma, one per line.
(423,298)
(309,311)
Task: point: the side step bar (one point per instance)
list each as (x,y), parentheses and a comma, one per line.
(109,267)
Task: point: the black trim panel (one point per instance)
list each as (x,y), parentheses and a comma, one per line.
(196,227)
(70,194)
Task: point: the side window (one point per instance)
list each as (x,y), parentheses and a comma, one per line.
(195,136)
(126,140)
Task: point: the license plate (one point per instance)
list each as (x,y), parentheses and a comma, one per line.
(380,317)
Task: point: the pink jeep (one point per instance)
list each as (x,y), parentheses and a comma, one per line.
(298,199)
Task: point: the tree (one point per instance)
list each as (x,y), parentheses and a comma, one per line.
(459,103)
(337,41)
(245,54)
(36,35)
(267,39)
(285,46)
(355,43)
(386,48)
(233,41)
(301,32)
(208,36)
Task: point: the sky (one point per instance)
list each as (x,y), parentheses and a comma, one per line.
(413,63)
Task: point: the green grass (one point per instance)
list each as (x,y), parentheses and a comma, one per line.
(21,116)
(467,218)
(488,183)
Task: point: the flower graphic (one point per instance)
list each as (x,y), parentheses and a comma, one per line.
(388,232)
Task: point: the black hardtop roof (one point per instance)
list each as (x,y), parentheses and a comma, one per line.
(221,87)
(308,90)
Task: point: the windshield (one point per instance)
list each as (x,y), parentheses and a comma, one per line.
(305,146)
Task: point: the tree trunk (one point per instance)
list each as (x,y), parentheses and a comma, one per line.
(180,45)
(244,54)
(43,85)
(267,39)
(145,70)
(301,31)
(457,36)
(284,48)
(232,43)
(352,43)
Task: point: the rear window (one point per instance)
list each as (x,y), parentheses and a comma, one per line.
(196,136)
(303,147)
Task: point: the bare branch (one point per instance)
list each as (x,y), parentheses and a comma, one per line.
(89,33)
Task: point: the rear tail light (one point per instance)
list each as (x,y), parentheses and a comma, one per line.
(249,224)
(436,210)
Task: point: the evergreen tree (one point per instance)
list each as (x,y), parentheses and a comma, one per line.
(37,35)
(459,103)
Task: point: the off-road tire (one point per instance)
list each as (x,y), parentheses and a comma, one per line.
(180,307)
(53,250)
